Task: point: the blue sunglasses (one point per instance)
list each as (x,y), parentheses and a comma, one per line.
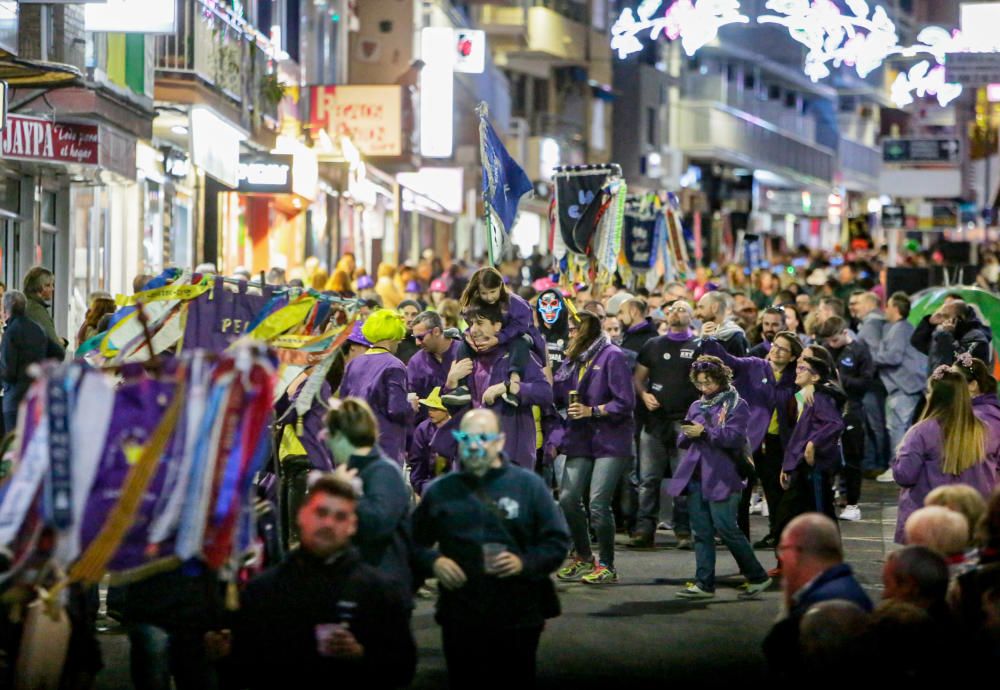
(478,439)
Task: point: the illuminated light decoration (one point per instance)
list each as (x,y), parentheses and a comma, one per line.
(923,80)
(695,22)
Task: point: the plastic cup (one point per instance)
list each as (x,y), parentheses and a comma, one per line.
(490,552)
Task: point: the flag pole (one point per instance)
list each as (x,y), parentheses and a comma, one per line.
(482,110)
(489,230)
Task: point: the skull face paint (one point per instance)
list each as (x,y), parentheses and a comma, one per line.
(549,307)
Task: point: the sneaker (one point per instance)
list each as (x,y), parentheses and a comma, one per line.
(684,544)
(886,477)
(693,591)
(601,575)
(575,571)
(639,541)
(664,526)
(460,397)
(851,514)
(755,504)
(764,510)
(767,543)
(452,333)
(753,589)
(512,399)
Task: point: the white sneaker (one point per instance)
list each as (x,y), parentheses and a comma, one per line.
(851,514)
(755,508)
(764,510)
(885,477)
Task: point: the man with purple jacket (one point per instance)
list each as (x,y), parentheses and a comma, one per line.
(812,454)
(379,379)
(428,369)
(488,375)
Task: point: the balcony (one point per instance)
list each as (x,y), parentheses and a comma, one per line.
(860,165)
(538,32)
(710,130)
(218,58)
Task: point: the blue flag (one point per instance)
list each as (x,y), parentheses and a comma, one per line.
(504,181)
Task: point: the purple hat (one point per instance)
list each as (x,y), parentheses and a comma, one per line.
(357,336)
(412,286)
(365,283)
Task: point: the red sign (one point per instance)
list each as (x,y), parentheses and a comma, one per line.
(37,139)
(370,115)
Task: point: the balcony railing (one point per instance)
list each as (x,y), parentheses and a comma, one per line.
(717,131)
(860,162)
(222,50)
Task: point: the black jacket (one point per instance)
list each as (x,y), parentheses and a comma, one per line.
(941,347)
(857,370)
(635,337)
(24,343)
(274,631)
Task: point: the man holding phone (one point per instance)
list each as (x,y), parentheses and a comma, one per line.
(323,613)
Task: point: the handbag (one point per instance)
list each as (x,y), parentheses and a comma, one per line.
(742,458)
(545,588)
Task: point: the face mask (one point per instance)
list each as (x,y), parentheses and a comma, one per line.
(340,447)
(473,453)
(549,307)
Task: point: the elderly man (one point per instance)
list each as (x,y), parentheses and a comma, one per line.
(322,612)
(813,570)
(487,376)
(24,343)
(492,536)
(715,313)
(917,575)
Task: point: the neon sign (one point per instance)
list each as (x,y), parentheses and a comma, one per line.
(862,40)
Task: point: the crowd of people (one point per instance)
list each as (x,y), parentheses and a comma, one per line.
(491,428)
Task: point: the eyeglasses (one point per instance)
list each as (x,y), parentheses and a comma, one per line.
(803,367)
(678,307)
(703,385)
(780,348)
(419,338)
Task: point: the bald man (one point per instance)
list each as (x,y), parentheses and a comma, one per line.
(813,570)
(492,535)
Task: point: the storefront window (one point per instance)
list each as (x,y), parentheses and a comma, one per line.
(10,230)
(152,236)
(179,251)
(91,228)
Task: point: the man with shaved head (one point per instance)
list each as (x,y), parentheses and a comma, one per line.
(813,570)
(492,535)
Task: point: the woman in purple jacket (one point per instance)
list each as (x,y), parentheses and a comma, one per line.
(812,454)
(712,435)
(594,384)
(983,391)
(949,445)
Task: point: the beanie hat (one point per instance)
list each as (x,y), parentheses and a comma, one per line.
(384,324)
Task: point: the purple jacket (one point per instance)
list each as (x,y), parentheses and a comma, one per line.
(378,378)
(710,454)
(823,424)
(516,423)
(422,456)
(753,379)
(424,373)
(606,381)
(917,468)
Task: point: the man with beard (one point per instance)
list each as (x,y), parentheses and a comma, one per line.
(666,392)
(715,313)
(553,323)
(428,369)
(771,323)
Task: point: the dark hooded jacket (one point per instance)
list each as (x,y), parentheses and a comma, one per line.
(941,347)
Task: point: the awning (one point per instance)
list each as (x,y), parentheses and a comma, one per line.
(34,74)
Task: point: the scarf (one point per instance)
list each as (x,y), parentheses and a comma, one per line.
(728,397)
(571,365)
(686,334)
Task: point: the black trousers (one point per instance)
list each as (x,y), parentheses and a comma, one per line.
(768,460)
(810,492)
(853,442)
(484,657)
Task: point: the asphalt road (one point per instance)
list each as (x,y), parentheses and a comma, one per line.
(636,634)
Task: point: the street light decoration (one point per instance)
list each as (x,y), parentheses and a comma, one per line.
(696,23)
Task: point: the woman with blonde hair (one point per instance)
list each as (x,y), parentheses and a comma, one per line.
(451,311)
(949,445)
(340,282)
(385,286)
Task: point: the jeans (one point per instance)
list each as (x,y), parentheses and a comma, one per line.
(598,477)
(490,657)
(655,457)
(155,655)
(709,518)
(876,441)
(628,490)
(899,410)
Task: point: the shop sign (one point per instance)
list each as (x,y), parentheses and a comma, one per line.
(371,116)
(266,175)
(38,139)
(470,51)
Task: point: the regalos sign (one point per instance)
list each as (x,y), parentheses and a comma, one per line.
(371,116)
(37,139)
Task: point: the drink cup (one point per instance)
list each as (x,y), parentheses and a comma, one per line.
(490,552)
